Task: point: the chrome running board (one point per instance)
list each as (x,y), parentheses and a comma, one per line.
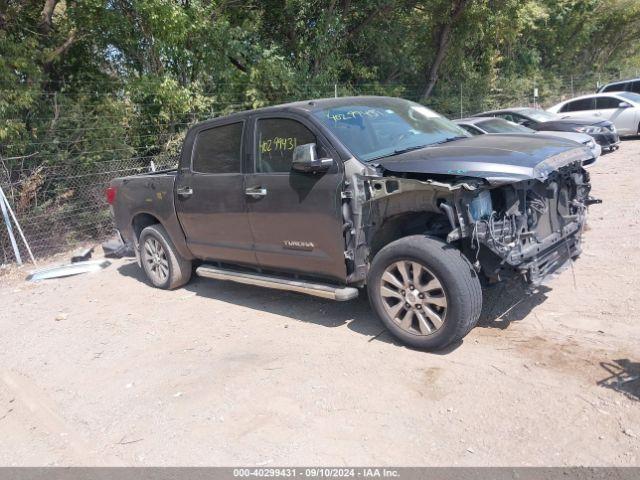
(340,294)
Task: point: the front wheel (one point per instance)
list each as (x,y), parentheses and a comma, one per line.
(425,292)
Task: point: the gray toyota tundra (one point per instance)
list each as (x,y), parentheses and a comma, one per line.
(327,197)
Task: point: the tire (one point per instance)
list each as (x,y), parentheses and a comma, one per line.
(449,286)
(166,269)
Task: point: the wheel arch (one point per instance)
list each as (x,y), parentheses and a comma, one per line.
(142,220)
(407,224)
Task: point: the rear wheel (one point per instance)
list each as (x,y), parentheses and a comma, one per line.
(425,292)
(162,264)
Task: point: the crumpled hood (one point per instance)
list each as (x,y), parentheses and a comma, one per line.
(499,159)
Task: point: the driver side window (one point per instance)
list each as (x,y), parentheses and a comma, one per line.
(506,116)
(276,138)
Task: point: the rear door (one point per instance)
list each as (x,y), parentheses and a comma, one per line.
(584,107)
(296,218)
(209,195)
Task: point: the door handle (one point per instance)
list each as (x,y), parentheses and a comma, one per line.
(256,192)
(184,191)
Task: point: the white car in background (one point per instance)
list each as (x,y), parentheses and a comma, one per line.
(495,125)
(620,108)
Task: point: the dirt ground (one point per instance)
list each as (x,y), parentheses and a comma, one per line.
(101,369)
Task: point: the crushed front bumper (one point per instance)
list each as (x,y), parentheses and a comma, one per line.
(547,262)
(538,226)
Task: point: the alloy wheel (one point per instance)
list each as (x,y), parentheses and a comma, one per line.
(413,297)
(156,261)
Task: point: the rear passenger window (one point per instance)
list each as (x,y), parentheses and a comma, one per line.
(217,149)
(616,87)
(277,138)
(506,116)
(607,102)
(634,87)
(471,130)
(579,105)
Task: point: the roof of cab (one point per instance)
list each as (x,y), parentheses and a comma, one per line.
(304,105)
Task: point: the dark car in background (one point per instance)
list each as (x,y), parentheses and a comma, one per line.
(603,131)
(499,126)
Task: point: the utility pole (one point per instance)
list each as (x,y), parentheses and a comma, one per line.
(572,92)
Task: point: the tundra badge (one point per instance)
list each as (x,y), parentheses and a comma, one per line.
(298,245)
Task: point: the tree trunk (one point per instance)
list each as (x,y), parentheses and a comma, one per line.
(60,51)
(443,38)
(46,17)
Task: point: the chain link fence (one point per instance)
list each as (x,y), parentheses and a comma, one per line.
(60,206)
(62,203)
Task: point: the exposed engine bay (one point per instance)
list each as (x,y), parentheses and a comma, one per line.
(529,227)
(532,226)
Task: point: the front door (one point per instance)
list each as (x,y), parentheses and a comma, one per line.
(210,199)
(296,218)
(623,118)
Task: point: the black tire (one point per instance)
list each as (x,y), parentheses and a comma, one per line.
(458,281)
(178,269)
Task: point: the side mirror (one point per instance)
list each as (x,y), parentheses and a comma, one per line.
(624,105)
(305,160)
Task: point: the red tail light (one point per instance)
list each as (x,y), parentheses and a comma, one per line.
(111,195)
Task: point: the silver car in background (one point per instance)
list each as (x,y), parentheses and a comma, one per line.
(620,108)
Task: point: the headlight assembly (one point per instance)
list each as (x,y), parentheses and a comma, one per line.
(589,130)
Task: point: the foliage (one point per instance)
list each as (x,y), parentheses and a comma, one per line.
(85,82)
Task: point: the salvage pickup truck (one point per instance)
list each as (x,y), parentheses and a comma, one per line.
(327,197)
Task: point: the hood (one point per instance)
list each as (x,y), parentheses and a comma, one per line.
(572,121)
(499,159)
(575,136)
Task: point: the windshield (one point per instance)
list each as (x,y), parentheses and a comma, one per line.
(634,97)
(539,115)
(381,127)
(498,125)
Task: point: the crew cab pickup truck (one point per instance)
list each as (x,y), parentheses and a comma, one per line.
(326,197)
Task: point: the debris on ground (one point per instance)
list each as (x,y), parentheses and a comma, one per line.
(82,255)
(59,271)
(116,248)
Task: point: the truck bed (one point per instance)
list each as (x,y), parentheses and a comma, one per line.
(140,197)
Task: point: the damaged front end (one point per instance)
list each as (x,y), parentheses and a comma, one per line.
(532,227)
(528,225)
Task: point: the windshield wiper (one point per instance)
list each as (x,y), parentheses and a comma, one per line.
(408,149)
(416,147)
(398,152)
(448,139)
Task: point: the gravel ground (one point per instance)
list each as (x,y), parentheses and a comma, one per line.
(101,369)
